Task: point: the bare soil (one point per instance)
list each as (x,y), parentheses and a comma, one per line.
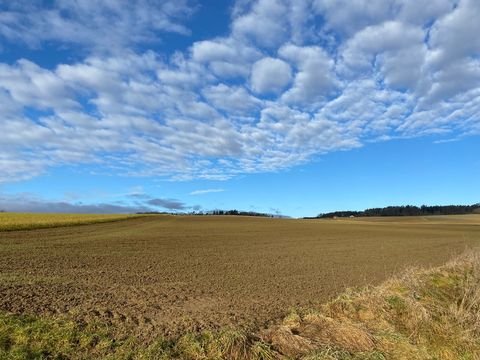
(165,275)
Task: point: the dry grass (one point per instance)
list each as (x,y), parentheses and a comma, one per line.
(28,221)
(425,314)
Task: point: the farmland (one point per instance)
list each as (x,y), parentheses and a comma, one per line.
(168,275)
(25,221)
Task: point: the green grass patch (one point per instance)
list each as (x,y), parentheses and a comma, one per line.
(26,337)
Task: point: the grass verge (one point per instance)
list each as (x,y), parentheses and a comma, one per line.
(425,314)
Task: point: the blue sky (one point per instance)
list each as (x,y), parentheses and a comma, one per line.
(292,107)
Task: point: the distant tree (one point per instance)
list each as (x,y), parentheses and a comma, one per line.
(235,212)
(408,210)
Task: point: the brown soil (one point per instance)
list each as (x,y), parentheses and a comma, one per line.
(164,275)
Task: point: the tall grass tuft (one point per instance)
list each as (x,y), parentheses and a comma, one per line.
(425,314)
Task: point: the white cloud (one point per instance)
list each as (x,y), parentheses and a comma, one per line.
(235,100)
(7,104)
(206,191)
(315,78)
(105,26)
(347,17)
(302,19)
(265,23)
(452,61)
(281,88)
(30,85)
(457,116)
(458,77)
(455,35)
(207,51)
(395,48)
(389,36)
(227,57)
(270,75)
(420,12)
(14,166)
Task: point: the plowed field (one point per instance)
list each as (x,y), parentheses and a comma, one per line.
(164,275)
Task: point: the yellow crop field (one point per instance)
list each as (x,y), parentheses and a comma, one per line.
(25,221)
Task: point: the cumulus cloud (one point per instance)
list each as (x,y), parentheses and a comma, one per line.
(453,36)
(396,49)
(270,75)
(264,23)
(348,17)
(225,57)
(314,79)
(30,85)
(290,81)
(103,25)
(232,99)
(420,12)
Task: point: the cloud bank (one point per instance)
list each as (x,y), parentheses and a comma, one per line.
(26,202)
(291,81)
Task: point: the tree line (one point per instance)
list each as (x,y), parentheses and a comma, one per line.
(235,212)
(213,212)
(408,210)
